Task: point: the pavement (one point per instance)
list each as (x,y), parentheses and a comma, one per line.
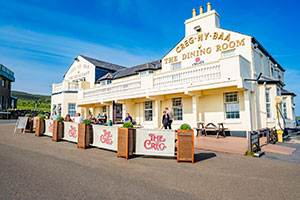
(37,168)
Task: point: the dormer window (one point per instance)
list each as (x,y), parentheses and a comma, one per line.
(105,82)
(143,73)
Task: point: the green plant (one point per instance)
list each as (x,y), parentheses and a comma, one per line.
(247,153)
(60,119)
(41,116)
(87,121)
(185,127)
(28,115)
(47,114)
(127,125)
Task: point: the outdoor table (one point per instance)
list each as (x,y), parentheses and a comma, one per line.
(211,127)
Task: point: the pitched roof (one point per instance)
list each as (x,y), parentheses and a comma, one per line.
(103,64)
(286,92)
(129,71)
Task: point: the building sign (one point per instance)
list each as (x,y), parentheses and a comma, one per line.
(70,131)
(49,128)
(155,142)
(224,42)
(78,71)
(105,137)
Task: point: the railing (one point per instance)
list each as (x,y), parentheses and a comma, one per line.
(188,76)
(108,90)
(73,86)
(58,87)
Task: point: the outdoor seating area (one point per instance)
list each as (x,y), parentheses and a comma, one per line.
(210,127)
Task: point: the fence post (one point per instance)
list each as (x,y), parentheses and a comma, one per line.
(249,142)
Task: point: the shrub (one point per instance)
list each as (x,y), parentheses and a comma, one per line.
(41,116)
(185,127)
(28,115)
(127,125)
(47,114)
(60,119)
(87,121)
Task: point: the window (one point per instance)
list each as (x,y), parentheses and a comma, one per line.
(103,109)
(176,66)
(1,102)
(232,109)
(228,53)
(148,110)
(268,103)
(58,109)
(72,109)
(3,83)
(284,108)
(177,108)
(145,73)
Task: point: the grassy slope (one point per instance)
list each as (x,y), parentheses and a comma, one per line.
(27,101)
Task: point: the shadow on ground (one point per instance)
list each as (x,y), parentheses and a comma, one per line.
(203,156)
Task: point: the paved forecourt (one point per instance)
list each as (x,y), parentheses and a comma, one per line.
(38,168)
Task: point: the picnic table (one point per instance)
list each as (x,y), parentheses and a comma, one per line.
(210,127)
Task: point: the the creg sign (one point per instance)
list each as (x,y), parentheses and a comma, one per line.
(70,131)
(105,137)
(155,142)
(49,128)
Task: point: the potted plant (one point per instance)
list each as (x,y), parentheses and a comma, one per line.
(85,134)
(126,140)
(58,129)
(40,125)
(185,143)
(29,124)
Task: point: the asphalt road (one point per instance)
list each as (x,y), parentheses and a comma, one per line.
(37,168)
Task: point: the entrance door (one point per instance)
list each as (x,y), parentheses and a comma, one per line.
(117,112)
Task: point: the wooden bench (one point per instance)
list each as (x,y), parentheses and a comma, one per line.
(211,127)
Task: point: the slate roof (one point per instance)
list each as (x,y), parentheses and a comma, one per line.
(286,92)
(129,71)
(103,64)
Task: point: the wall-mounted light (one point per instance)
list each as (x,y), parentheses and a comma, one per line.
(197,28)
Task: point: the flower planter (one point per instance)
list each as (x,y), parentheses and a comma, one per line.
(85,135)
(39,127)
(185,145)
(29,125)
(126,142)
(58,130)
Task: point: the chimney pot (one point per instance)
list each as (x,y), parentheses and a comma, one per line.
(208,6)
(201,10)
(194,12)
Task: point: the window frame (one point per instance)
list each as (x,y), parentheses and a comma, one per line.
(231,115)
(178,63)
(72,110)
(177,109)
(268,102)
(148,109)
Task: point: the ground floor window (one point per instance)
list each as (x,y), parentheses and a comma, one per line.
(177,108)
(231,101)
(268,103)
(103,109)
(148,110)
(284,108)
(72,109)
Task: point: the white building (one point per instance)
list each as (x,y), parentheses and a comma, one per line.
(204,78)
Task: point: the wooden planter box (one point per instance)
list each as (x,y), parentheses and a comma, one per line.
(185,145)
(126,142)
(39,127)
(29,125)
(58,130)
(85,135)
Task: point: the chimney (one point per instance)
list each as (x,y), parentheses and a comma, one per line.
(194,12)
(208,6)
(201,10)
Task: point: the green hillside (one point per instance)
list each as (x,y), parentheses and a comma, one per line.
(27,101)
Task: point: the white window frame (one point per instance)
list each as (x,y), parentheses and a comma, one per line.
(176,106)
(268,102)
(232,102)
(150,109)
(284,109)
(72,110)
(176,64)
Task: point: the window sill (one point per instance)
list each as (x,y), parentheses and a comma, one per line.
(232,121)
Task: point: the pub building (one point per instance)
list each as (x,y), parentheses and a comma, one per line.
(210,76)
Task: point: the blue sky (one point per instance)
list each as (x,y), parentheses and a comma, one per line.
(40,39)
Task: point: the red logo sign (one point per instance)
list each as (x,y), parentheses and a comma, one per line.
(197,60)
(50,127)
(155,142)
(73,132)
(106,137)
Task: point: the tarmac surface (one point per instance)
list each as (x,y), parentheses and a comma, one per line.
(37,168)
